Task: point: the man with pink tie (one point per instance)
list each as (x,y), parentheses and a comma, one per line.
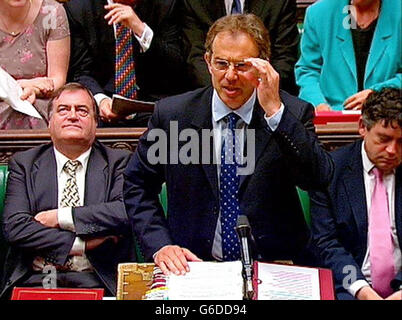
(357,222)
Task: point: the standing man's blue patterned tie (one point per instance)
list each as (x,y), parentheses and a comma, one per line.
(229,188)
(236,7)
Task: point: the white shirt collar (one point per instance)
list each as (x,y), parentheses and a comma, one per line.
(221,110)
(61,159)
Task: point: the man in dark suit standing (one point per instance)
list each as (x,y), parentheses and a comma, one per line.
(206,193)
(279,18)
(358,232)
(157,42)
(64,209)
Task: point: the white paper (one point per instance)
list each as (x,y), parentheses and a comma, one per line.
(10,92)
(351,111)
(208,281)
(281,282)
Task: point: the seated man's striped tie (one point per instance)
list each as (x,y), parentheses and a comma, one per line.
(70,196)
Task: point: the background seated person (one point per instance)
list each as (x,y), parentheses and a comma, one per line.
(156,44)
(349,49)
(357,221)
(279,18)
(64,206)
(205,196)
(34,49)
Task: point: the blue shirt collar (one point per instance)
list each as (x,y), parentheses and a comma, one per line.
(221,110)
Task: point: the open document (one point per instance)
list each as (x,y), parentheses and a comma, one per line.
(11,91)
(224,281)
(290,282)
(208,281)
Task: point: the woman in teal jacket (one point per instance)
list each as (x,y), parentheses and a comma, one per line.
(335,33)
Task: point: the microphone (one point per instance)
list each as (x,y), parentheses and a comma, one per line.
(243,230)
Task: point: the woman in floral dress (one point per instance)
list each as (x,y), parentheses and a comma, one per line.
(34,49)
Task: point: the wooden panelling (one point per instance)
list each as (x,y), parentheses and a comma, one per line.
(331,135)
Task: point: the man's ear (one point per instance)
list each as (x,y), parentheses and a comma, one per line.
(362,128)
(207,58)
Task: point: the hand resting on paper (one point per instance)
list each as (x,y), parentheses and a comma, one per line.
(173,259)
(28,93)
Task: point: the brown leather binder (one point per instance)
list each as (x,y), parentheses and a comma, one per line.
(124,106)
(134,280)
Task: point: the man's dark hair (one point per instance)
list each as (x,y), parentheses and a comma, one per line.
(247,23)
(72,86)
(383,106)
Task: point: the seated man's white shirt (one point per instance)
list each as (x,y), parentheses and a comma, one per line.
(78,261)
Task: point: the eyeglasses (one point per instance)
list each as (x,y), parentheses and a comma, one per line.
(223,65)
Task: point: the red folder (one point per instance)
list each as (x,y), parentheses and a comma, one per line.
(326,284)
(324,117)
(56,294)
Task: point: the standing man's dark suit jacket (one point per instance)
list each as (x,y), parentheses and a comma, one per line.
(32,188)
(279,18)
(159,71)
(339,216)
(287,157)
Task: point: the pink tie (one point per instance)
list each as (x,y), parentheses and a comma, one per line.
(380,239)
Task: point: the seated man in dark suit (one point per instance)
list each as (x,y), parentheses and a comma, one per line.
(157,51)
(63,208)
(279,18)
(357,222)
(267,147)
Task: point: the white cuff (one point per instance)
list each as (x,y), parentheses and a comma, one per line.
(99,97)
(65,217)
(356,286)
(146,38)
(273,121)
(78,248)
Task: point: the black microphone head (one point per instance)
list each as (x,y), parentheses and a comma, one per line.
(242,221)
(243,226)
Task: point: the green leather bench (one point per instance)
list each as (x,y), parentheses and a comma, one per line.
(3,185)
(305,203)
